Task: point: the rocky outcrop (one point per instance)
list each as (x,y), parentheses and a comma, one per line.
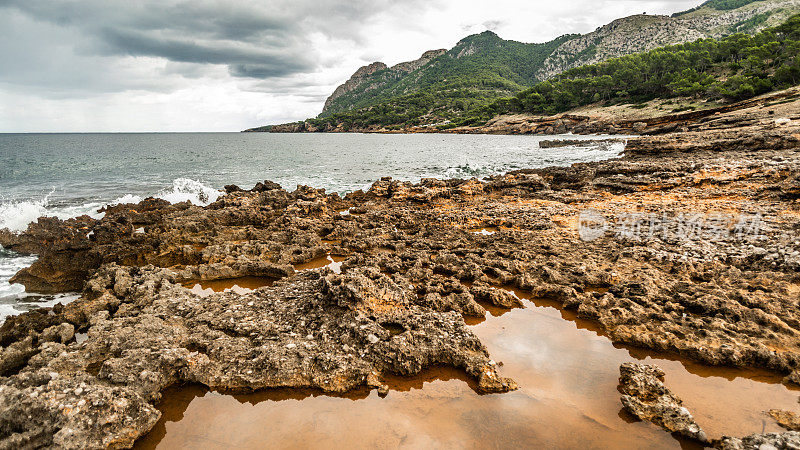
(328,333)
(362,78)
(787,419)
(357,79)
(790,440)
(642,32)
(646,397)
(411,66)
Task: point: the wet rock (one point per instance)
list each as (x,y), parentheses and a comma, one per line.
(496,297)
(786,419)
(770,441)
(265,186)
(646,397)
(793,377)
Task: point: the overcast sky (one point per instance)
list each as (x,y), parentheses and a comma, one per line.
(214,65)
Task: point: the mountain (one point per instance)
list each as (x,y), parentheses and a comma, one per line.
(639,33)
(729,69)
(363,78)
(481,66)
(444,84)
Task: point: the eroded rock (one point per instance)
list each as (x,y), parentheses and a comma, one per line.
(787,419)
(646,397)
(770,441)
(413,261)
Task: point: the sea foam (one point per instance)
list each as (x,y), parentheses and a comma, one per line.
(16,215)
(186,189)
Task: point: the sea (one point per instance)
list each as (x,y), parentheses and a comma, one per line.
(68,175)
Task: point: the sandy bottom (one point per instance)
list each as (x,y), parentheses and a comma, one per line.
(567,372)
(241,286)
(332,262)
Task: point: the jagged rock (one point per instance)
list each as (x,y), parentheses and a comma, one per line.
(646,397)
(770,441)
(62,333)
(265,186)
(786,419)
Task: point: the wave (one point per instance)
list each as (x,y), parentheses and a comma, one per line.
(466,171)
(13,298)
(186,189)
(16,215)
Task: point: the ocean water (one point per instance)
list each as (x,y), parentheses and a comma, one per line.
(66,175)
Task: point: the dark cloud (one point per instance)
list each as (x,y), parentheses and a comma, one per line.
(254,39)
(242,58)
(41,59)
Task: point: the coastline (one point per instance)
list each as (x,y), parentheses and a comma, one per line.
(419,259)
(577,122)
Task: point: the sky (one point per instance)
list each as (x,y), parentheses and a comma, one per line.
(223,65)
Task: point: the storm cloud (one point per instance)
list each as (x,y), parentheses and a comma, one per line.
(255,39)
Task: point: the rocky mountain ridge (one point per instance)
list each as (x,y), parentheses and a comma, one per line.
(527,64)
(362,75)
(640,33)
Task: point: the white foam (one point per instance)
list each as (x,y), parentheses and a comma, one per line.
(13,298)
(186,189)
(125,199)
(465,170)
(183,189)
(17,215)
(25,302)
(87,209)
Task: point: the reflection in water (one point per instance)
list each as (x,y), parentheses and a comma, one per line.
(332,262)
(241,286)
(567,371)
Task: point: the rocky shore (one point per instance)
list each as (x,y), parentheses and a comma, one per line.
(690,245)
(585,121)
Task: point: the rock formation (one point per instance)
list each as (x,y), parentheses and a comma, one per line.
(646,397)
(362,76)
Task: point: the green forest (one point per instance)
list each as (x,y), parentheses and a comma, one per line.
(734,68)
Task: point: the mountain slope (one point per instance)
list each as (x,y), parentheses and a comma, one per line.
(639,33)
(443,86)
(734,68)
(479,66)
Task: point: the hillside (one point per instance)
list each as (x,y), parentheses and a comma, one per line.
(734,68)
(635,34)
(446,86)
(480,67)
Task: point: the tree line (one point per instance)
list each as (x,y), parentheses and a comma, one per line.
(734,68)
